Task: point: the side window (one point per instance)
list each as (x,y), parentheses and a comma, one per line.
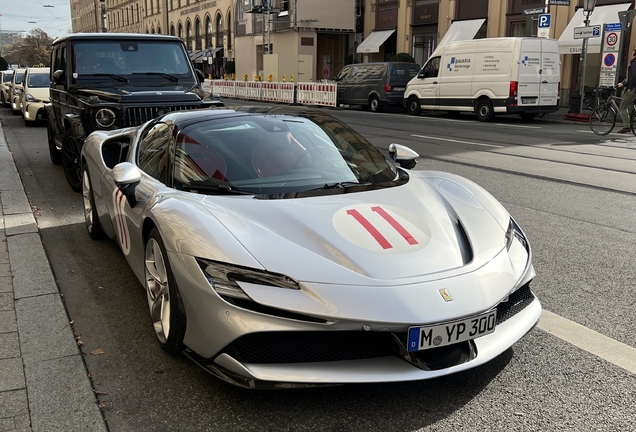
(431,68)
(154,152)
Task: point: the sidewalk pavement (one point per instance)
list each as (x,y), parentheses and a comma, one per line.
(44,384)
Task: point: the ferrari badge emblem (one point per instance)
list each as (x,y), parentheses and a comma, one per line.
(446,295)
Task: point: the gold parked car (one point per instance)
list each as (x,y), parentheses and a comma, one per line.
(35,93)
(5,83)
(16,90)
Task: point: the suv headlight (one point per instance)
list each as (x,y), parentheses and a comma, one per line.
(30,98)
(17,92)
(105,117)
(224,277)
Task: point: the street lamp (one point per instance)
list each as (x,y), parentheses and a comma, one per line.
(588,8)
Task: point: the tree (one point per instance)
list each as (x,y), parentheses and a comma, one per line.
(35,49)
(4,65)
(402,57)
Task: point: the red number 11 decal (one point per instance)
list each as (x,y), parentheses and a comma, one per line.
(374,231)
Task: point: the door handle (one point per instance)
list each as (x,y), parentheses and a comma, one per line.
(435,82)
(544,82)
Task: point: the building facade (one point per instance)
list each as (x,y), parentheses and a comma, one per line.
(417,27)
(86,16)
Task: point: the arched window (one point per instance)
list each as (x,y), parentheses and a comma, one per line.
(152,30)
(180,34)
(189,35)
(198,41)
(219,31)
(229,30)
(208,33)
(158,30)
(171,30)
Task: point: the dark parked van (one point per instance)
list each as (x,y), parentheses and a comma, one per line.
(374,85)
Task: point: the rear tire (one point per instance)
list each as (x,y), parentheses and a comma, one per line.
(484,110)
(413,106)
(54,153)
(374,104)
(71,161)
(602,120)
(93,226)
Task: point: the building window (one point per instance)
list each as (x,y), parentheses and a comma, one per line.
(198,33)
(472,9)
(219,31)
(189,35)
(208,32)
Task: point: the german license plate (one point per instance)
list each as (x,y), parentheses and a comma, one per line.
(399,88)
(421,338)
(532,101)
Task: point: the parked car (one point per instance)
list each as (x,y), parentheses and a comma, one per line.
(105,81)
(491,76)
(35,93)
(374,85)
(279,248)
(16,90)
(5,84)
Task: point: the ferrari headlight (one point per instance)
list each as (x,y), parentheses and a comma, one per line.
(105,117)
(514,232)
(30,98)
(224,277)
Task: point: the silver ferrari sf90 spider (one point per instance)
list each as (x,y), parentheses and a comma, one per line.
(279,248)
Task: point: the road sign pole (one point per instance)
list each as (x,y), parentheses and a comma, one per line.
(584,60)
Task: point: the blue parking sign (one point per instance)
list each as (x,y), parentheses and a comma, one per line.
(544,21)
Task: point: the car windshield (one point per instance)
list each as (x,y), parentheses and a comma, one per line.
(18,77)
(151,62)
(6,77)
(38,80)
(273,154)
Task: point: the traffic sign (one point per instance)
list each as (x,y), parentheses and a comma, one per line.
(613,27)
(533,11)
(587,32)
(544,21)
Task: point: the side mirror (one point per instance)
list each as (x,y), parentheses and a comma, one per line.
(127,176)
(403,155)
(200,75)
(58,77)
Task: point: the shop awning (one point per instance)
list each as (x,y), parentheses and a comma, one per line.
(201,56)
(602,15)
(374,41)
(462,30)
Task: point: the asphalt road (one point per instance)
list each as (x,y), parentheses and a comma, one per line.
(573,193)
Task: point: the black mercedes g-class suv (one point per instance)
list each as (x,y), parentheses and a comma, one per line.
(103,81)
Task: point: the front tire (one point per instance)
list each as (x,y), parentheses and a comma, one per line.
(71,161)
(413,106)
(484,110)
(93,226)
(168,321)
(602,120)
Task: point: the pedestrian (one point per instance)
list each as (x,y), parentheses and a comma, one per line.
(627,104)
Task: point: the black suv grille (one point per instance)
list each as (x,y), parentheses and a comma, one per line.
(304,347)
(134,116)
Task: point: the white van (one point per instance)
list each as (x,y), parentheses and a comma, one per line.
(488,77)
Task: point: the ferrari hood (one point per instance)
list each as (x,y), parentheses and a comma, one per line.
(411,232)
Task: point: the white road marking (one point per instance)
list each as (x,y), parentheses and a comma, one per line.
(456,141)
(608,349)
(518,126)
